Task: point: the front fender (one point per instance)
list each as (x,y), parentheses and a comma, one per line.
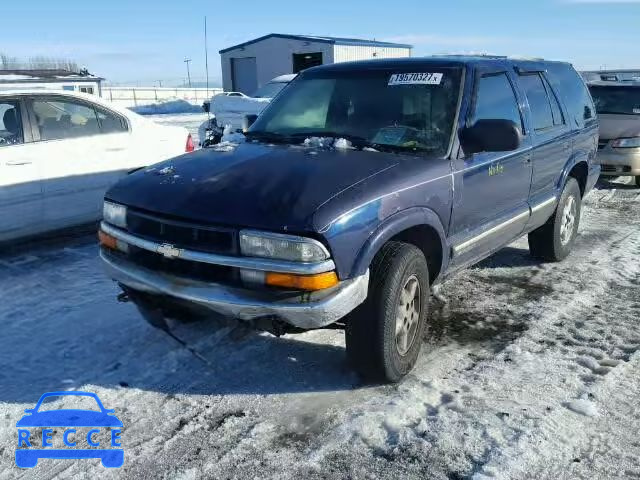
(393,225)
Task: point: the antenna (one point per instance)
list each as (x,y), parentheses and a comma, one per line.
(187,60)
(206,65)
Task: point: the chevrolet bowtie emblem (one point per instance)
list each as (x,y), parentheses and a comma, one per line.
(169,251)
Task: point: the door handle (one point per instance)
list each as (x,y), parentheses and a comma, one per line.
(19,162)
(115,149)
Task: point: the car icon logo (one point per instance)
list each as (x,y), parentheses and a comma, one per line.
(67,423)
(169,251)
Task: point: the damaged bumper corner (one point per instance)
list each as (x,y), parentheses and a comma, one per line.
(302,310)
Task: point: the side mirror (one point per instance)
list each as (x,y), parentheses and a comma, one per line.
(248,121)
(490,136)
(206,106)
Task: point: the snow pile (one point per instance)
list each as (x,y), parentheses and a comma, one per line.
(221,104)
(168,106)
(328,143)
(228,135)
(583,407)
(229,141)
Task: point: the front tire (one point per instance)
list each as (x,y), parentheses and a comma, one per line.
(554,240)
(384,335)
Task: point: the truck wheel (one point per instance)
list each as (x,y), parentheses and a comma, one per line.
(553,240)
(384,334)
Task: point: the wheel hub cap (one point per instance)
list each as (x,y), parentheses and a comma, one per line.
(408,315)
(568,220)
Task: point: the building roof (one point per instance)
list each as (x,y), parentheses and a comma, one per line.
(312,38)
(45,75)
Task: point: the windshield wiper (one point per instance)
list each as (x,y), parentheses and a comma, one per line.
(265,136)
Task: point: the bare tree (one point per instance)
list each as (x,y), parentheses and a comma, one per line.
(37,62)
(7,62)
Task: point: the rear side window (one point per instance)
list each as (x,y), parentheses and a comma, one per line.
(110,122)
(67,118)
(59,119)
(10,123)
(539,104)
(571,87)
(496,100)
(556,110)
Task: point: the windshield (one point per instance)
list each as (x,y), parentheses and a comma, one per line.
(269,90)
(616,100)
(400,111)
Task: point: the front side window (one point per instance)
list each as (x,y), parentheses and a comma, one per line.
(539,104)
(10,123)
(399,111)
(495,100)
(616,100)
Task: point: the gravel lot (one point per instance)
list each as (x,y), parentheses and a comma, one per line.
(531,371)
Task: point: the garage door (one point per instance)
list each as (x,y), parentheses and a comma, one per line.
(244,75)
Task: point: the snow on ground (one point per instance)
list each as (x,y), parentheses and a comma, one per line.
(190,121)
(167,106)
(531,371)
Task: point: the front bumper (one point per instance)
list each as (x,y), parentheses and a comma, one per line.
(619,161)
(303,310)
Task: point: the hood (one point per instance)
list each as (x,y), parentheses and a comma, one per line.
(251,185)
(618,126)
(69,418)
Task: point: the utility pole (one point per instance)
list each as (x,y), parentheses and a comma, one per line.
(187,60)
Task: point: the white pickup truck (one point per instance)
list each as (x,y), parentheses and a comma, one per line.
(230,108)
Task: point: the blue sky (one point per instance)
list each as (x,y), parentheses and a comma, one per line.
(146,41)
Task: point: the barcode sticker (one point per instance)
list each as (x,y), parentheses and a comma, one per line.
(415,79)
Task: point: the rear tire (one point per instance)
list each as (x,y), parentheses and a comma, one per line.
(384,335)
(554,240)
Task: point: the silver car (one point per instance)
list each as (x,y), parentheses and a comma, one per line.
(618,106)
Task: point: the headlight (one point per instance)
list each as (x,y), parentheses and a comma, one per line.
(282,247)
(115,214)
(626,142)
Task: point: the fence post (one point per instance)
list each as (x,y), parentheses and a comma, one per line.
(135,100)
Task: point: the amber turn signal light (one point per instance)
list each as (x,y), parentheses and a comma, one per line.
(319,281)
(107,240)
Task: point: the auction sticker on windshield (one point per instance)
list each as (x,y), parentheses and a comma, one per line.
(415,79)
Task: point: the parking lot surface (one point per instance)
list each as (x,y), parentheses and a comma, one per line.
(531,370)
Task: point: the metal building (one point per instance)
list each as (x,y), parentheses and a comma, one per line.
(51,79)
(249,65)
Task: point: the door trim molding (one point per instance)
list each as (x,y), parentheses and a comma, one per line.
(462,247)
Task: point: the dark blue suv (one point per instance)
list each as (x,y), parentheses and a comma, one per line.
(359,187)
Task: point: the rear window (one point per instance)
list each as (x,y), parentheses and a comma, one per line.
(616,100)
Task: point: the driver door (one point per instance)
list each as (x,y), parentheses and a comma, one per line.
(491,188)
